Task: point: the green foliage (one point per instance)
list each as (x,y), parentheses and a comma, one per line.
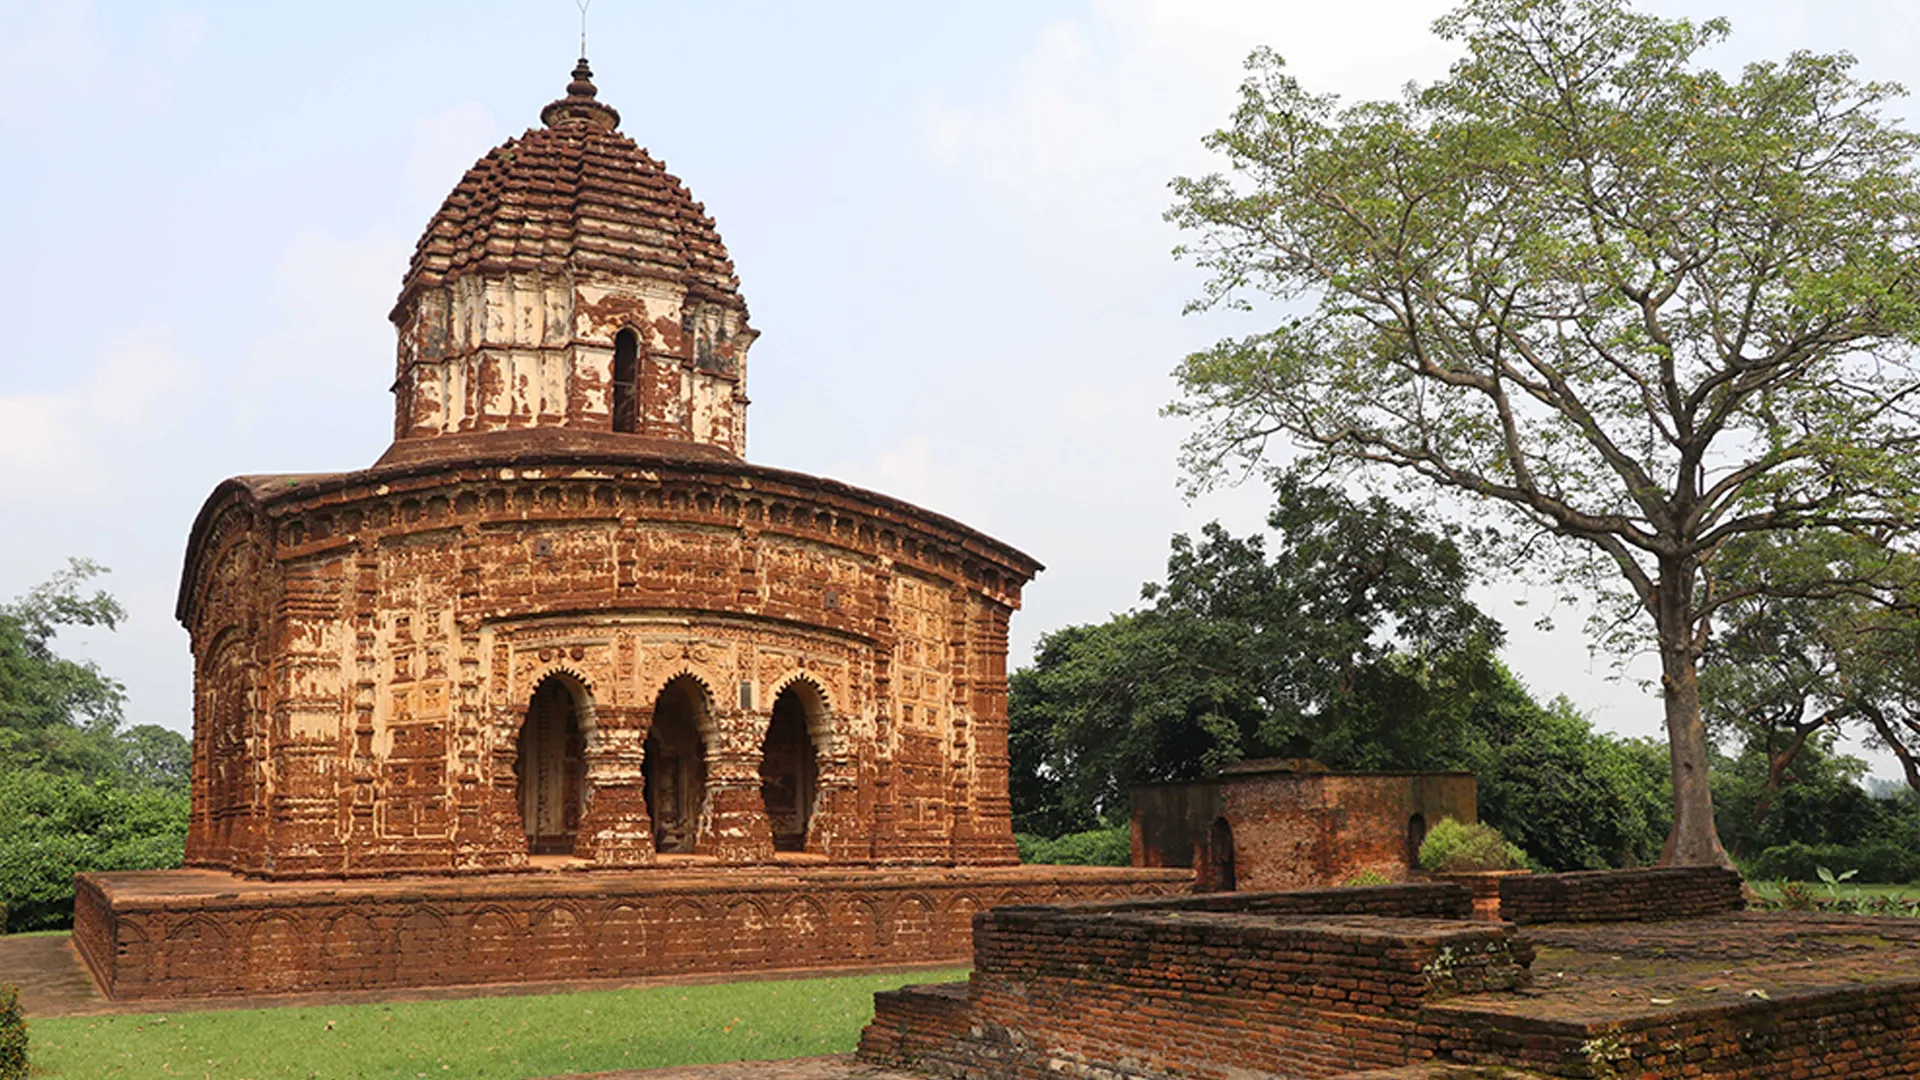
(1350,642)
(57,714)
(488,1038)
(1095,847)
(1798,896)
(57,826)
(1625,299)
(13,1034)
(1573,797)
(79,793)
(1877,862)
(1365,879)
(1454,847)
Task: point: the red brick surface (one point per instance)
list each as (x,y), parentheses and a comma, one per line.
(1297,829)
(198,933)
(1668,892)
(1142,990)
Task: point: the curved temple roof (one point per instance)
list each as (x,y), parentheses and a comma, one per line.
(574,193)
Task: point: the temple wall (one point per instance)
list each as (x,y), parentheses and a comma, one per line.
(533,349)
(404,628)
(202,934)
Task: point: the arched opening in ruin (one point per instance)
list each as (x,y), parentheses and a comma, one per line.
(1416,835)
(550,769)
(790,764)
(675,765)
(1219,869)
(626,381)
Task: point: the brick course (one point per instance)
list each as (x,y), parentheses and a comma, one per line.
(1655,893)
(204,934)
(1201,987)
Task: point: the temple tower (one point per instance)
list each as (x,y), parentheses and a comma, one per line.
(570,281)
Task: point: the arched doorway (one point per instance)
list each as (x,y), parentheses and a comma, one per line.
(790,767)
(1416,836)
(1219,869)
(550,769)
(675,765)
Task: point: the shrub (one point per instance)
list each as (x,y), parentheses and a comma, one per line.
(13,1035)
(1452,847)
(1099,847)
(57,826)
(1364,879)
(1882,862)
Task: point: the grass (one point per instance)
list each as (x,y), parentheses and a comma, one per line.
(1770,890)
(493,1038)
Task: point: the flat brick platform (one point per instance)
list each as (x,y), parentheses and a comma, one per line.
(195,933)
(1396,983)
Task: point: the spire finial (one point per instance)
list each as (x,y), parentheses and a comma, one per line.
(583,5)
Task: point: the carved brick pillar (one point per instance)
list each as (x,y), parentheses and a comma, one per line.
(837,829)
(733,825)
(984,837)
(495,839)
(615,830)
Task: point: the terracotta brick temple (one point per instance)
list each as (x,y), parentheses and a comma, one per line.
(1271,824)
(562,685)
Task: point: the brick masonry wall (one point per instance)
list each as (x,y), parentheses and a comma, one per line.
(1418,901)
(231,937)
(1148,989)
(1298,829)
(1620,895)
(1871,1031)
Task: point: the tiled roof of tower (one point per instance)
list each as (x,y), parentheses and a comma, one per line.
(575,193)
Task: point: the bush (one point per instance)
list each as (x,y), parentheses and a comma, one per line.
(1099,847)
(13,1035)
(1365,879)
(1455,848)
(1879,862)
(57,826)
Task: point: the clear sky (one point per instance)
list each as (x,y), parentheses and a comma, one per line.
(946,219)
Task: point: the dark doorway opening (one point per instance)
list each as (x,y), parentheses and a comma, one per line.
(1416,835)
(550,770)
(1218,876)
(790,767)
(675,766)
(626,381)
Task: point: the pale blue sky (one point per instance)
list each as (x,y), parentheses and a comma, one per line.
(945,219)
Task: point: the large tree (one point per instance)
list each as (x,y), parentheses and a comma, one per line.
(1628,300)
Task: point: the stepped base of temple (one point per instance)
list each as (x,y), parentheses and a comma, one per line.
(199,933)
(1650,974)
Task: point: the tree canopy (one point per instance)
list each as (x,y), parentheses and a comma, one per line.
(1630,301)
(1351,642)
(80,793)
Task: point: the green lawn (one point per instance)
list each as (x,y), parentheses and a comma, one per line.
(1771,889)
(496,1037)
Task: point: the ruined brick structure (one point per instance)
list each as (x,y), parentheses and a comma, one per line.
(562,624)
(1273,824)
(1397,981)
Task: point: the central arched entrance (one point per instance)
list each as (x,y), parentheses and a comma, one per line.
(789,766)
(675,766)
(550,769)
